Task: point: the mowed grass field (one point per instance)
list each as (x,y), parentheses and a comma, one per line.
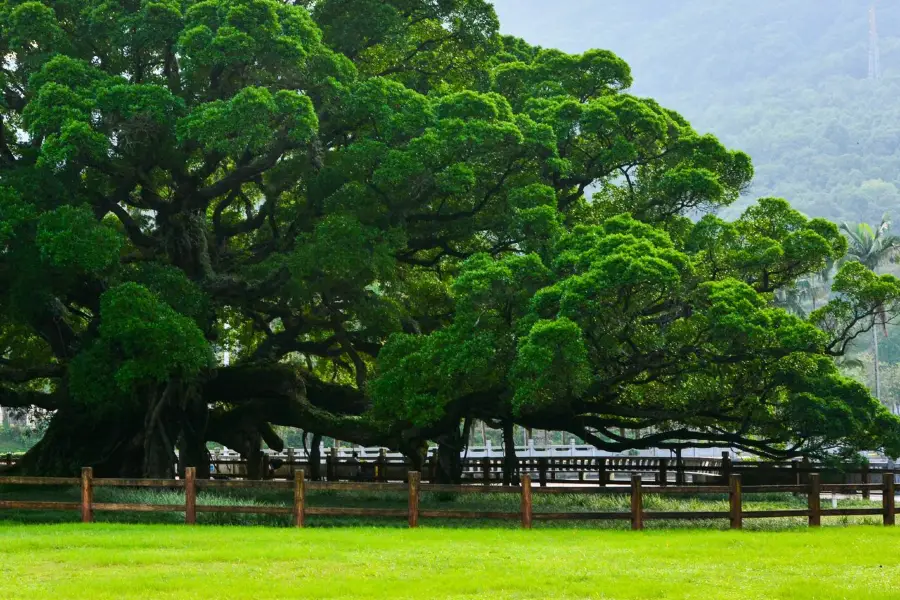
(100,561)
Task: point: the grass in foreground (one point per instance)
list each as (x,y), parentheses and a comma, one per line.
(103,561)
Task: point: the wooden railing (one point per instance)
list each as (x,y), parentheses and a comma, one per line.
(602,471)
(413,488)
(595,471)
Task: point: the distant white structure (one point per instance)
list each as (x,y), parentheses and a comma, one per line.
(489,451)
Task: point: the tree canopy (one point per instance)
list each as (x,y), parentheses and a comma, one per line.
(381,211)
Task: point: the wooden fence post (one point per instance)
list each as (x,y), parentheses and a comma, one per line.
(887,497)
(190,496)
(87,495)
(663,472)
(735,502)
(299,498)
(526,501)
(602,474)
(866,479)
(414,477)
(486,470)
(542,471)
(813,500)
(637,503)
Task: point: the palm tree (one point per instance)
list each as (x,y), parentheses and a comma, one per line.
(872,247)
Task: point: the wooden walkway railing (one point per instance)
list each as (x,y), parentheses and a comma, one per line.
(602,471)
(299,509)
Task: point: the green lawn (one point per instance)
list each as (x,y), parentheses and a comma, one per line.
(165,562)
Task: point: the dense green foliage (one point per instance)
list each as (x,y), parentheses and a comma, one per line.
(379,210)
(784,81)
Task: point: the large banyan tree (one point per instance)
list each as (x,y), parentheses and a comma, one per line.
(394,220)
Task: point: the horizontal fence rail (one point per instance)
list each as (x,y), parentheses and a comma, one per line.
(545,471)
(414,488)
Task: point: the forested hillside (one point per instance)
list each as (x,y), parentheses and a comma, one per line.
(786,82)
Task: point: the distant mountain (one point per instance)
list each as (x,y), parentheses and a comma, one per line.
(785,81)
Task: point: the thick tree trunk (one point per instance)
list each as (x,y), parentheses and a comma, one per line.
(137,436)
(194,419)
(315,458)
(254,458)
(449,461)
(510,462)
(112,444)
(416,453)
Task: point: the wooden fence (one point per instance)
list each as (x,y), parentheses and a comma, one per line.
(413,488)
(600,471)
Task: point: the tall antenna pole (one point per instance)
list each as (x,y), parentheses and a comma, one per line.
(874,49)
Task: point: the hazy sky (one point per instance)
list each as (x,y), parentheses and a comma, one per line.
(578,25)
(681,49)
(551,25)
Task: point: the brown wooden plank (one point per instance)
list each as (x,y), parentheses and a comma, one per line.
(588,490)
(40,481)
(686,515)
(87,494)
(33,505)
(158,483)
(414,478)
(125,507)
(428,488)
(355,486)
(765,514)
(849,512)
(887,498)
(299,498)
(468,514)
(190,496)
(253,510)
(813,500)
(582,516)
(637,504)
(735,505)
(526,501)
(773,489)
(686,489)
(242,484)
(358,512)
